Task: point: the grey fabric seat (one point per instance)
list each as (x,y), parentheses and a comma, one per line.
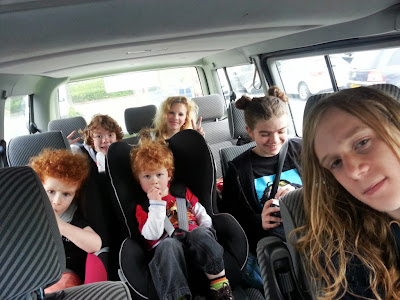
(229,153)
(32,254)
(215,126)
(20,149)
(237,125)
(66,126)
(137,118)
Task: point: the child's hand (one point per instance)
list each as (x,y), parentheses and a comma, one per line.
(59,221)
(154,193)
(70,140)
(283,190)
(268,220)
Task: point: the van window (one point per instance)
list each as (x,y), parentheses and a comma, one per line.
(16,117)
(242,81)
(375,67)
(306,76)
(113,94)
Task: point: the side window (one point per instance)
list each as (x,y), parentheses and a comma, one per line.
(113,94)
(395,59)
(243,80)
(306,76)
(16,117)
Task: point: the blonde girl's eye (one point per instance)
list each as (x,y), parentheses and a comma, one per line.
(335,164)
(362,143)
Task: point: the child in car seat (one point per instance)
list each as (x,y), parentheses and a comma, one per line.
(152,164)
(174,114)
(62,174)
(98,135)
(249,178)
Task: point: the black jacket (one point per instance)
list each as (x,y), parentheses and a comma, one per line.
(239,196)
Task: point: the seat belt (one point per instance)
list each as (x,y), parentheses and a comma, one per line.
(275,185)
(3,158)
(178,190)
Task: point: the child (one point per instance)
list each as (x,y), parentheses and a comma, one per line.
(249,178)
(174,114)
(98,135)
(62,174)
(153,166)
(351,161)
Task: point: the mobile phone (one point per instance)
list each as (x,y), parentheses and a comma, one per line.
(275,203)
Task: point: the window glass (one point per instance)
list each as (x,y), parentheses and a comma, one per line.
(16,117)
(303,77)
(113,94)
(242,81)
(375,67)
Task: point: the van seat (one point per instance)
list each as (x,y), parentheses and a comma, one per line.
(21,148)
(66,126)
(137,118)
(215,126)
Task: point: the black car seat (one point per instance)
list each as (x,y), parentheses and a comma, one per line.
(194,167)
(68,125)
(137,118)
(93,203)
(32,253)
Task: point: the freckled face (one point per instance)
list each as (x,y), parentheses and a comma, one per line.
(60,193)
(269,135)
(359,160)
(176,118)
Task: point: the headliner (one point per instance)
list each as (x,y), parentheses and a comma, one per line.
(83,38)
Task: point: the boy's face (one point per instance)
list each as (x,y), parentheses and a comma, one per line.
(60,193)
(155,181)
(102,139)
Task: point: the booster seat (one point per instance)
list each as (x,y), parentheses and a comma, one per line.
(194,167)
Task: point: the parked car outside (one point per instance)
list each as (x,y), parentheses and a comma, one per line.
(307,76)
(374,67)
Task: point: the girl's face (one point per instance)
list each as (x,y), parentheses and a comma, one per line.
(176,117)
(102,139)
(60,193)
(269,135)
(359,160)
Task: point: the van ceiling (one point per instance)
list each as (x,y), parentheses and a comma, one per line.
(82,38)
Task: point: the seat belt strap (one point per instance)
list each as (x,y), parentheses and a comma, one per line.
(182,213)
(182,217)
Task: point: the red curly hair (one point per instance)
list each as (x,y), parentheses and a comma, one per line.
(150,156)
(101,121)
(61,164)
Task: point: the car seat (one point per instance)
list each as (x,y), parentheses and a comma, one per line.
(66,126)
(93,203)
(194,167)
(137,118)
(32,253)
(21,148)
(215,125)
(229,153)
(237,125)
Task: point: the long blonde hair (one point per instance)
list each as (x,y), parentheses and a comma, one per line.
(160,120)
(338,226)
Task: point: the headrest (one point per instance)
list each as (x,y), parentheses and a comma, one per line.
(211,107)
(390,89)
(66,126)
(137,118)
(32,253)
(237,125)
(22,148)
